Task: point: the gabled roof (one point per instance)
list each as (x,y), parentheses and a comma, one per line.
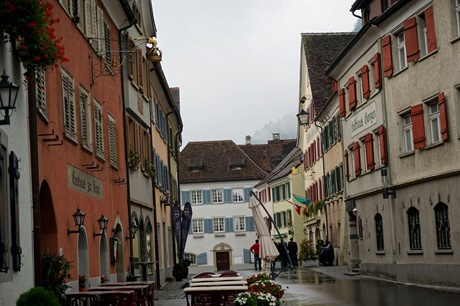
(268,156)
(216,161)
(293,159)
(321,49)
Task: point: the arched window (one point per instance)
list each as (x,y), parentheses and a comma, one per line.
(379,232)
(441,212)
(415,239)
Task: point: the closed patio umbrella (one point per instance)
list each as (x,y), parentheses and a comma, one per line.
(268,250)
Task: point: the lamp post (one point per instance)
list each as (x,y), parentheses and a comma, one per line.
(8,96)
(132,234)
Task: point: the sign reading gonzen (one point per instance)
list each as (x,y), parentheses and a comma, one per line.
(81,181)
(363,120)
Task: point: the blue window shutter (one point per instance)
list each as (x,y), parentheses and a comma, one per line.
(229,225)
(246,194)
(190,229)
(246,256)
(207,197)
(228,196)
(249,223)
(208,225)
(185,197)
(202,259)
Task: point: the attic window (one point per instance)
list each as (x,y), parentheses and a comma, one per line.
(235,167)
(196,165)
(194,170)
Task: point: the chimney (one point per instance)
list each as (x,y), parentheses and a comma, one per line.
(276,136)
(248,140)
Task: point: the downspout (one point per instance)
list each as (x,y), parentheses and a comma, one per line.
(132,21)
(35,182)
(157,261)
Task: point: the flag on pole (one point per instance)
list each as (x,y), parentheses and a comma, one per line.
(301,200)
(297,207)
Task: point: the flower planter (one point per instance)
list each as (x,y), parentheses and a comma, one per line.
(81,289)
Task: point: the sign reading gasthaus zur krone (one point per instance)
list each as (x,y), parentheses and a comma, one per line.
(84,182)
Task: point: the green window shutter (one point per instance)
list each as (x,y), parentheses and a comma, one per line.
(288,185)
(250,223)
(202,259)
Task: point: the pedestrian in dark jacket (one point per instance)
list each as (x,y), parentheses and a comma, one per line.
(292,248)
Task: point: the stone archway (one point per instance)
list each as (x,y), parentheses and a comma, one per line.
(223,257)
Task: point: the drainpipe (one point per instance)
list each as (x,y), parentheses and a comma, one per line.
(35,181)
(123,43)
(155,217)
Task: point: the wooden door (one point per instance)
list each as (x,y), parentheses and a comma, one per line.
(223,261)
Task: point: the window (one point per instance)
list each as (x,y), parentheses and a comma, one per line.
(197,196)
(401,51)
(239,224)
(98,129)
(457,18)
(434,122)
(379,232)
(442,226)
(283,219)
(238,195)
(69,106)
(191,258)
(408,141)
(197,226)
(85,121)
(423,35)
(107,47)
(112,141)
(415,239)
(40,90)
(218,225)
(217,196)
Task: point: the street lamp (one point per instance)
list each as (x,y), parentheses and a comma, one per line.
(8,96)
(132,231)
(303,117)
(79,220)
(386,191)
(102,221)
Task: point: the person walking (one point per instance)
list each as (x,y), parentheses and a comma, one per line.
(292,249)
(255,250)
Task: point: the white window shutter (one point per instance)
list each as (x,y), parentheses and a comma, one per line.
(100,32)
(112,141)
(98,129)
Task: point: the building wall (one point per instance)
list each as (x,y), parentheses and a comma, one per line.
(237,243)
(15,138)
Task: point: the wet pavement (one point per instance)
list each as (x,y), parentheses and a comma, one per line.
(321,286)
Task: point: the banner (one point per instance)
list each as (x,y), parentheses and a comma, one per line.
(176,222)
(186,222)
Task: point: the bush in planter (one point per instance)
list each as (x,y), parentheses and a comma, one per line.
(55,273)
(37,297)
(307,250)
(180,271)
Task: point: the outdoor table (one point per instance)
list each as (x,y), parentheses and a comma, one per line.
(93,297)
(221,283)
(217,279)
(141,291)
(135,283)
(213,295)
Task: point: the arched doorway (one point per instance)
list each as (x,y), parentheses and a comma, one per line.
(104,256)
(82,253)
(48,227)
(222,256)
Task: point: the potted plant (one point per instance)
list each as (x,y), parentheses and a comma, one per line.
(30,27)
(307,253)
(104,279)
(55,274)
(180,271)
(261,291)
(149,169)
(134,160)
(82,283)
(37,296)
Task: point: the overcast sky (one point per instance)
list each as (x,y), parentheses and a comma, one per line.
(237,62)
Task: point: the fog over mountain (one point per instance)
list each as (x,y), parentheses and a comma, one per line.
(286,126)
